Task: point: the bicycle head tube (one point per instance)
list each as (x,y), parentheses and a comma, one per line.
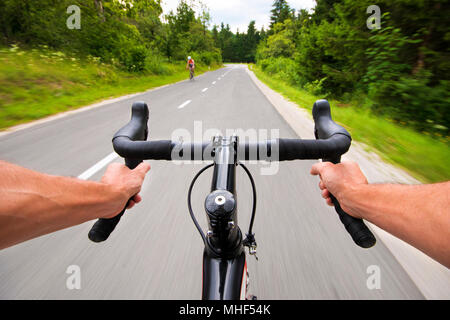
(224,238)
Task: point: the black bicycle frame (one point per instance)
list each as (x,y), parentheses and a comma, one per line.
(224,256)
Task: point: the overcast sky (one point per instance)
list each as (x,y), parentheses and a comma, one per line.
(238,13)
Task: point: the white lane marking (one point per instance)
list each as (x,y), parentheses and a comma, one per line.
(218,78)
(214,82)
(184,104)
(204,89)
(98,166)
(227,72)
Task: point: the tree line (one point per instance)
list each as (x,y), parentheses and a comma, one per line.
(128,33)
(400,70)
(238,47)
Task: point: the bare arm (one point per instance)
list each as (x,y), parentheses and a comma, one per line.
(417,214)
(34,204)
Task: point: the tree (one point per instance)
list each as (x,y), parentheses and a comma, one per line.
(280,12)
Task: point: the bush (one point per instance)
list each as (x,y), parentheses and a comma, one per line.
(207,57)
(316,88)
(134,59)
(282,67)
(411,100)
(155,64)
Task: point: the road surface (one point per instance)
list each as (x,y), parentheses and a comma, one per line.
(156,252)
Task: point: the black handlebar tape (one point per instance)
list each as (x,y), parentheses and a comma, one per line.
(359,232)
(154,150)
(326,128)
(294,149)
(103,227)
(136,129)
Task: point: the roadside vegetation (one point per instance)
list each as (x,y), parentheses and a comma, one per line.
(389,86)
(425,157)
(120,47)
(398,71)
(40,82)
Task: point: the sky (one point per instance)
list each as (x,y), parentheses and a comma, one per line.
(238,13)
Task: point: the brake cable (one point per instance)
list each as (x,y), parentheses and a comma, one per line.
(190,205)
(249,240)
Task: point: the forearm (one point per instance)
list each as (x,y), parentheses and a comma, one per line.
(419,215)
(34,204)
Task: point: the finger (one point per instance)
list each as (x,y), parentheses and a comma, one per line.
(330,202)
(131,204)
(316,168)
(321,185)
(137,198)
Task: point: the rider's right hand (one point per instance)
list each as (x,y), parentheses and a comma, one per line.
(339,180)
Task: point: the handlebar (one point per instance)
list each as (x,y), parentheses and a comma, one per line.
(331,142)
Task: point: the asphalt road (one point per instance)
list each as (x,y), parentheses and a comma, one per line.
(156,252)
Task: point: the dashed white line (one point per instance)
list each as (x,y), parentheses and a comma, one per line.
(98,166)
(227,72)
(184,104)
(214,82)
(204,89)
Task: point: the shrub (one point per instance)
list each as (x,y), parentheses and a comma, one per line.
(134,58)
(282,67)
(155,64)
(316,87)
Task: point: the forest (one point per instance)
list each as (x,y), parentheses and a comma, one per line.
(399,71)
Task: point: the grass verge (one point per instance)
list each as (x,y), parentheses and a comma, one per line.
(424,157)
(40,82)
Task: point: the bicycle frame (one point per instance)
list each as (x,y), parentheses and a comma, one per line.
(224,262)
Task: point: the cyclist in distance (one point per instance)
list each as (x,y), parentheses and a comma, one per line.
(34,204)
(191,66)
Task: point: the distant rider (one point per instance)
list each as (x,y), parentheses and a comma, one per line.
(190,65)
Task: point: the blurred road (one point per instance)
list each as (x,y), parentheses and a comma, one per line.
(156,252)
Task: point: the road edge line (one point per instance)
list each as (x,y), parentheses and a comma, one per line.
(98,166)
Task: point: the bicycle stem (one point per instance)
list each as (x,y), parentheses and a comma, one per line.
(224,238)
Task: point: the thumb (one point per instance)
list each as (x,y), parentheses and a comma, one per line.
(142,169)
(316,169)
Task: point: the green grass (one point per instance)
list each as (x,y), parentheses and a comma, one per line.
(38,83)
(424,157)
